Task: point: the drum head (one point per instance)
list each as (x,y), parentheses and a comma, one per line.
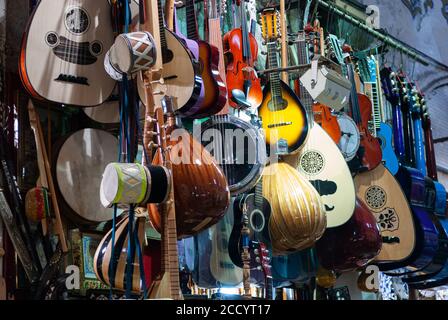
(243,158)
(121,54)
(80,164)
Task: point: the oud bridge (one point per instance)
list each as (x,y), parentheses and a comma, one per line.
(82,53)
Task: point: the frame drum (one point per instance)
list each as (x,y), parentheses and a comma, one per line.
(242,162)
(79,167)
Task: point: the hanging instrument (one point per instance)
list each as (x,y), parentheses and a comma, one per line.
(240,52)
(321,162)
(411,180)
(202,192)
(298,217)
(282,113)
(352,245)
(238,147)
(80,162)
(381,130)
(104,257)
(369,155)
(180,73)
(72,41)
(215,92)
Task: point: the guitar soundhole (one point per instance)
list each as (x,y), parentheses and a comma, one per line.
(52,39)
(257,221)
(76,20)
(277,104)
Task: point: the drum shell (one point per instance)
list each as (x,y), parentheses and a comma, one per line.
(133,52)
(132,183)
(254,159)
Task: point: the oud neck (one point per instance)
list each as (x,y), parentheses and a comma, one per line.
(192,27)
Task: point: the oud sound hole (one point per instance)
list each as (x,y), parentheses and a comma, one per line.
(96,48)
(76,20)
(52,39)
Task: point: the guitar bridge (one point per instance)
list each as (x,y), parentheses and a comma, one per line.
(72,79)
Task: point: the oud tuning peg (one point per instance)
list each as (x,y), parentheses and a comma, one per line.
(153,133)
(152,144)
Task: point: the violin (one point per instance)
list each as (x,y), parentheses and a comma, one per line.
(370,155)
(240,54)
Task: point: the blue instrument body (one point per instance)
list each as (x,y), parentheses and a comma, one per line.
(439,276)
(390,160)
(416,186)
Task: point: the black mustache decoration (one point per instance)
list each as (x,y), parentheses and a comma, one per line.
(325,188)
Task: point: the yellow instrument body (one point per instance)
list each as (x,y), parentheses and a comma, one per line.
(298,217)
(286,123)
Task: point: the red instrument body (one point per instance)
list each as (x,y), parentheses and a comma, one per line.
(352,245)
(328,122)
(215,92)
(240,69)
(372,149)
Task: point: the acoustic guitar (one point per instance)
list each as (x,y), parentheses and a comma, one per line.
(258,211)
(222,266)
(72,41)
(282,113)
(215,92)
(321,162)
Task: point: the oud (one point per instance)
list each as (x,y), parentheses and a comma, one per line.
(62,57)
